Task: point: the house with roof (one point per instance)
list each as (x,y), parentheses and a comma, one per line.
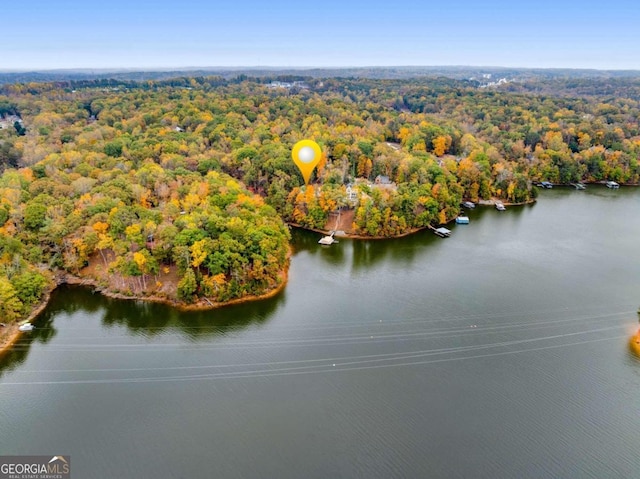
(382,180)
(352,194)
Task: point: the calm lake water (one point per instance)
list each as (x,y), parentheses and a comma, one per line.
(499,352)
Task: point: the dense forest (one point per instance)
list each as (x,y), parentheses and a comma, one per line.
(189,181)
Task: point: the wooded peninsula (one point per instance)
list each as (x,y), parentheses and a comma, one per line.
(181,189)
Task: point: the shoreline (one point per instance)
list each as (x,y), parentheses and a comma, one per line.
(201,305)
(494,201)
(358,237)
(11,334)
(490,202)
(600,183)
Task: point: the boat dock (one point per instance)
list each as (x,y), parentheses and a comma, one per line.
(327,240)
(442,232)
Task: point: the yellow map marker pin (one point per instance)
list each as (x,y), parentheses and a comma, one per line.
(306,155)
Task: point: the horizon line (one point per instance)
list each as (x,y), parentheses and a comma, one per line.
(300,67)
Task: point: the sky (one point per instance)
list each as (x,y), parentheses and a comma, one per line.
(54,34)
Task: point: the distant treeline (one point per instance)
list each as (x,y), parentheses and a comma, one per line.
(399,72)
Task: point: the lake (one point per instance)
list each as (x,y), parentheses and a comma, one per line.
(501,351)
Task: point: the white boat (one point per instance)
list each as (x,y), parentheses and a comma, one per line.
(612,184)
(26,327)
(500,206)
(469,204)
(462,220)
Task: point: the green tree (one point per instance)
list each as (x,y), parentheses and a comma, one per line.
(29,286)
(34,215)
(187,286)
(10,304)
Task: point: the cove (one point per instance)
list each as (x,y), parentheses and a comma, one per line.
(502,351)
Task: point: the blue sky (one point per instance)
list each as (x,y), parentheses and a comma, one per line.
(93,34)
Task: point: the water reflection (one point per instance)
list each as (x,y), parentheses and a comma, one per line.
(150,319)
(363,254)
(139,317)
(303,240)
(402,250)
(43,333)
